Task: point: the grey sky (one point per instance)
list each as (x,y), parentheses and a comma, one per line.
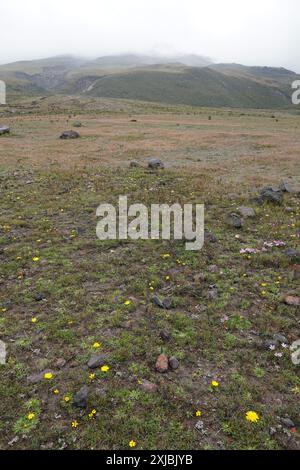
(252,32)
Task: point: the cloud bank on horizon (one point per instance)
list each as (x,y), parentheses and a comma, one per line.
(260,32)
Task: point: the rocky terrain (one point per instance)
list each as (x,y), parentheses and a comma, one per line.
(142,344)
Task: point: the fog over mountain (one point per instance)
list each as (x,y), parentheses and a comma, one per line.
(260,33)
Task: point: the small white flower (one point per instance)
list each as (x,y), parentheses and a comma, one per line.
(278,354)
(272,347)
(284,345)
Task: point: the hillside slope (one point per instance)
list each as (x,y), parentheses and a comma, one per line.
(190,80)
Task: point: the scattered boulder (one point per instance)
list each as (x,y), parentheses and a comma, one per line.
(173,363)
(165,303)
(149,387)
(165,335)
(271,195)
(292,301)
(290,187)
(287,423)
(162,363)
(97,360)
(38,377)
(80,398)
(39,297)
(4,130)
(233,220)
(69,135)
(156,164)
(77,124)
(212,293)
(246,211)
(209,236)
(2,352)
(61,362)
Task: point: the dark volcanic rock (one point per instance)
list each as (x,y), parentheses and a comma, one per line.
(209,236)
(80,398)
(165,335)
(173,363)
(155,164)
(272,195)
(39,296)
(233,220)
(287,423)
(69,135)
(165,303)
(4,130)
(97,360)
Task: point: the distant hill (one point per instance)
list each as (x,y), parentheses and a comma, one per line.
(186,79)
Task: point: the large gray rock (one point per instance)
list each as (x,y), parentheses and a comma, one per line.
(233,220)
(80,398)
(246,211)
(271,195)
(155,164)
(69,135)
(173,363)
(97,360)
(4,130)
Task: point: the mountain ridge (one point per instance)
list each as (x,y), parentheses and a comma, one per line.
(153,78)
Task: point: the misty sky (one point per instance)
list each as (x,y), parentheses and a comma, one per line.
(252,32)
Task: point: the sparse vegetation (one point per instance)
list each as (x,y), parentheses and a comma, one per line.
(66,296)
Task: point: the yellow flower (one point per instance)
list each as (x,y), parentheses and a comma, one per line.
(167,278)
(263,292)
(166,255)
(35,259)
(92,414)
(48,376)
(91,376)
(132,444)
(296,390)
(56,391)
(96,345)
(264,284)
(198,413)
(34,320)
(252,416)
(151,288)
(139,382)
(127,302)
(215,384)
(105,368)
(74,424)
(30,416)
(67,399)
